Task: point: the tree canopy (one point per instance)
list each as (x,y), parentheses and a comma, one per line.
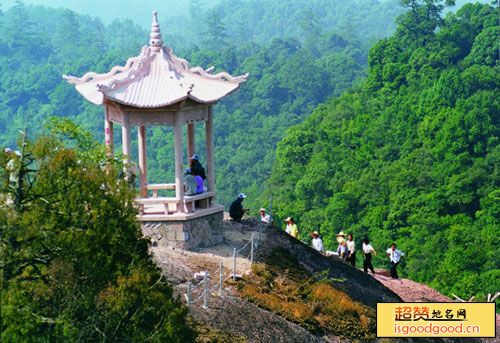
(412,155)
(75,267)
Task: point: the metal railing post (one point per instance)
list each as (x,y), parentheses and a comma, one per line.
(251,250)
(260,231)
(189,294)
(205,295)
(234,264)
(221,274)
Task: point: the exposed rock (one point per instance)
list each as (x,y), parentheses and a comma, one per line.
(235,315)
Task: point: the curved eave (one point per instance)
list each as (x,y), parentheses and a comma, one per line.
(90,91)
(216,99)
(127,103)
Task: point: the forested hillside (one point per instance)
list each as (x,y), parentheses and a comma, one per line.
(288,78)
(412,155)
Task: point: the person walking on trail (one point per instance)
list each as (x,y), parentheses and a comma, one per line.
(264,217)
(291,228)
(317,242)
(367,255)
(236,209)
(351,250)
(196,167)
(395,256)
(190,182)
(342,248)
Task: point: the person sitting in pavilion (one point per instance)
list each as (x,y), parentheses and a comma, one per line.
(236,210)
(199,181)
(197,168)
(190,182)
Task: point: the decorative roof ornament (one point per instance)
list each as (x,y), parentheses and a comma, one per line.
(155,42)
(156,78)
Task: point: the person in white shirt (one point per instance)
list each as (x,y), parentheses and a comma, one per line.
(342,248)
(264,217)
(395,257)
(351,250)
(367,255)
(317,242)
(190,182)
(12,166)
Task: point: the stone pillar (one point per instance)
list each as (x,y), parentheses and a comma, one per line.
(126,143)
(209,127)
(179,172)
(108,134)
(190,140)
(143,168)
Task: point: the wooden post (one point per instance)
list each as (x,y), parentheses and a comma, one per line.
(179,173)
(108,134)
(126,143)
(209,127)
(190,140)
(143,168)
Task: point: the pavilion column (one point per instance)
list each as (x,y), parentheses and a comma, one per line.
(209,127)
(143,168)
(190,140)
(179,173)
(108,134)
(126,143)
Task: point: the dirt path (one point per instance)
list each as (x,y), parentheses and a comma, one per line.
(230,313)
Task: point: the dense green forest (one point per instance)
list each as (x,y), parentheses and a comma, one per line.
(410,156)
(74,266)
(289,77)
(409,153)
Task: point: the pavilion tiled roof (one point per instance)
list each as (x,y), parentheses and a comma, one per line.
(156,78)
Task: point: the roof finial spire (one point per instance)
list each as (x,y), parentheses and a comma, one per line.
(155,42)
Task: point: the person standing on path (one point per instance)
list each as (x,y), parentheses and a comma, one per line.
(317,243)
(342,248)
(351,250)
(367,255)
(264,217)
(395,256)
(291,228)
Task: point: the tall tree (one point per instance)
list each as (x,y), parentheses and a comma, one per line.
(216,35)
(418,24)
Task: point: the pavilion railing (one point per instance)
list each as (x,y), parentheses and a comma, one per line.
(171,205)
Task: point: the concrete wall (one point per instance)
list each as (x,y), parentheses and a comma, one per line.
(188,235)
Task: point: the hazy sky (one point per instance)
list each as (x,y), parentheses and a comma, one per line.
(138,10)
(108,10)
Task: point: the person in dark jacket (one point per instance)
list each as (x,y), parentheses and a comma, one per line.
(367,256)
(236,209)
(197,168)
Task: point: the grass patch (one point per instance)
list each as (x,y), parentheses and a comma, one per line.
(281,285)
(205,334)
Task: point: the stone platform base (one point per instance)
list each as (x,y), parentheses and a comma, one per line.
(185,234)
